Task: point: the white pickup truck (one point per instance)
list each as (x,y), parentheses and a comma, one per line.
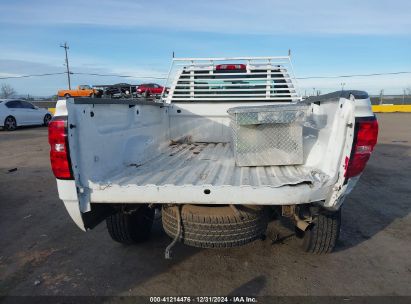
(186,155)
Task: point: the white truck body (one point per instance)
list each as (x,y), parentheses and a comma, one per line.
(177,150)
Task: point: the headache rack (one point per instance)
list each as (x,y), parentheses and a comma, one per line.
(231,79)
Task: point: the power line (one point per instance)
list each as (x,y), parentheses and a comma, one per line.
(122,76)
(308,77)
(33,75)
(79,73)
(157,77)
(353,75)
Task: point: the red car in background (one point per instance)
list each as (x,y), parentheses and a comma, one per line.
(147,89)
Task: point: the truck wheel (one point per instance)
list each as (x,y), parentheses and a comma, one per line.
(67,95)
(216,226)
(131,227)
(322,234)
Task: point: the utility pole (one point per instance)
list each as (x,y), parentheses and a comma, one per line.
(65,47)
(342,86)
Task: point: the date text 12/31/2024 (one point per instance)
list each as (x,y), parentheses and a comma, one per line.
(204,299)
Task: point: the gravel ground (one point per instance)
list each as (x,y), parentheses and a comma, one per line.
(42,252)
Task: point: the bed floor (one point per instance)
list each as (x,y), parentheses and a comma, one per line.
(206,164)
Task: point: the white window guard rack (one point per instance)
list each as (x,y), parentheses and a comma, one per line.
(254,79)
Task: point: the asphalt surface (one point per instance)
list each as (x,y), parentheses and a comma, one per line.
(42,252)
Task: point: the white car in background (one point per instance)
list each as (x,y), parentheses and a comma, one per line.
(16,113)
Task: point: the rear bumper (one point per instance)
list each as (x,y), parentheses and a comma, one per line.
(78,207)
(208,194)
(68,194)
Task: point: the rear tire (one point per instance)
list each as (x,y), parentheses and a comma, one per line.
(10,123)
(217,226)
(322,234)
(131,227)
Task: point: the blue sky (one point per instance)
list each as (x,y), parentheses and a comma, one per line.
(137,38)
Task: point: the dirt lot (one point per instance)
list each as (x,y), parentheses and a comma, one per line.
(42,252)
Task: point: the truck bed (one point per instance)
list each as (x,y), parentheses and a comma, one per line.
(207,168)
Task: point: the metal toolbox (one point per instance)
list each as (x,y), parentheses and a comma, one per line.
(268,135)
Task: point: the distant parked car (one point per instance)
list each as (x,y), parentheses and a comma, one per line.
(120,90)
(147,89)
(81,91)
(15,113)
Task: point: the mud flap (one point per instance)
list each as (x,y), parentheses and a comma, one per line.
(97,214)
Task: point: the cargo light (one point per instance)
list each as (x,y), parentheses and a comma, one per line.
(59,157)
(230,67)
(364,142)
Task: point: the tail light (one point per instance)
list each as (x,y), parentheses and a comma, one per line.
(365,139)
(59,154)
(230,67)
